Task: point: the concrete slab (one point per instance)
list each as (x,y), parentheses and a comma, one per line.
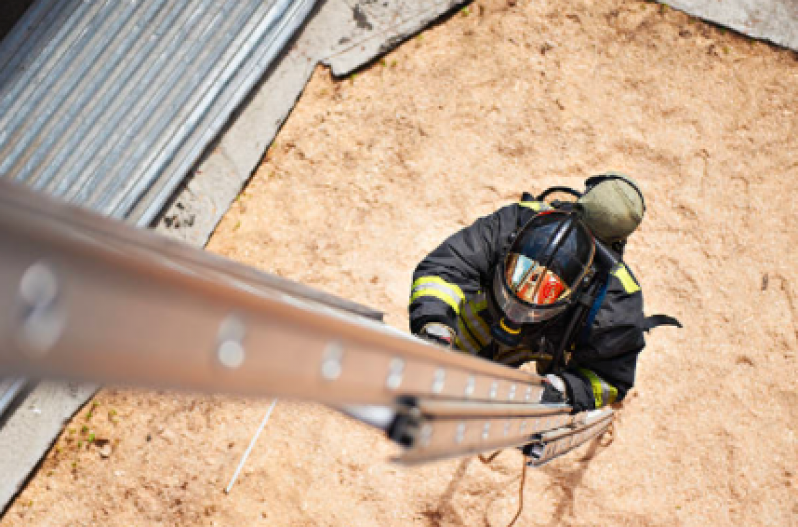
(772,20)
(343,34)
(30,430)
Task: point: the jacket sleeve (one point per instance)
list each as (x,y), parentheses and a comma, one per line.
(602,369)
(459,267)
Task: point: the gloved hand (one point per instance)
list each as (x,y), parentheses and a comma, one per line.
(438,333)
(554,390)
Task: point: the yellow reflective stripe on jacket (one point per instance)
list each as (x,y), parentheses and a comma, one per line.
(437,282)
(464,333)
(537,206)
(439,288)
(623,274)
(603,392)
(474,322)
(464,347)
(464,340)
(437,294)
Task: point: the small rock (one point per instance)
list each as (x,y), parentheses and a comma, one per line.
(106,450)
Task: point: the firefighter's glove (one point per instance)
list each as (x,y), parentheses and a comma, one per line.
(554,390)
(438,333)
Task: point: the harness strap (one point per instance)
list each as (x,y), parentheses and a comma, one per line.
(594,309)
(654,321)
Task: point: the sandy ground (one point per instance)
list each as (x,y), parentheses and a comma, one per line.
(371,172)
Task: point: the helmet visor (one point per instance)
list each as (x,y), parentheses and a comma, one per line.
(520,311)
(545,264)
(532,282)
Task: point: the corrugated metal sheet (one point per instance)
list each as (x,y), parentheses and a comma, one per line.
(108,103)
(9,389)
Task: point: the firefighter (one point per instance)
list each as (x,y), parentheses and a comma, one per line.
(543,282)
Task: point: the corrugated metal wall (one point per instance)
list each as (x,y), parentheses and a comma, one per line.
(108,103)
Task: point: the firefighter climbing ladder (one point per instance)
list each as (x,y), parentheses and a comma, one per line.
(90,298)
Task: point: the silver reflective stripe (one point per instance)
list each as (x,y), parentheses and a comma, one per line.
(449,291)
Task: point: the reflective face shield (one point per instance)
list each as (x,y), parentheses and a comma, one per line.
(532,282)
(545,264)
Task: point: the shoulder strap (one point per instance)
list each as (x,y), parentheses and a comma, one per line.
(587,328)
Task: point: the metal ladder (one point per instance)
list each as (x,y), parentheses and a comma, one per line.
(92,298)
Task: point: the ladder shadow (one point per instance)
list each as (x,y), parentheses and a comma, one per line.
(444,509)
(567,481)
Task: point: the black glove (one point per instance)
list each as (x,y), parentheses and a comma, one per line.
(554,390)
(438,333)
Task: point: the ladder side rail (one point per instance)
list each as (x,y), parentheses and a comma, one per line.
(72,221)
(95,307)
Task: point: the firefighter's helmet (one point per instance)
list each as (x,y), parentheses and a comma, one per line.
(544,267)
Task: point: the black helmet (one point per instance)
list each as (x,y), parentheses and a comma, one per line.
(544,267)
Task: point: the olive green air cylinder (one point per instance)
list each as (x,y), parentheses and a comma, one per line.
(613,206)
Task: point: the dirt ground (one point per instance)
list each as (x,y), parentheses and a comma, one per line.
(372,172)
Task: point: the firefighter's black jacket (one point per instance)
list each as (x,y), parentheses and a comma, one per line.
(453,283)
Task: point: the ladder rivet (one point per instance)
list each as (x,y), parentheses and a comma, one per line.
(494,387)
(231,354)
(331,362)
(469,389)
(439,380)
(230,350)
(460,435)
(43,319)
(426,434)
(395,371)
(486,431)
(512,392)
(528,395)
